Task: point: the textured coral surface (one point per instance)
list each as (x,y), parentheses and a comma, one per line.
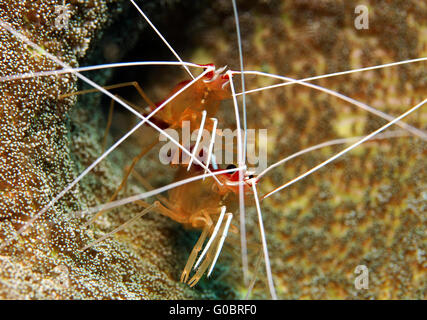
(368,208)
(42,150)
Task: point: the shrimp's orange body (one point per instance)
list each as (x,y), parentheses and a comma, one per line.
(195,201)
(205,94)
(201,204)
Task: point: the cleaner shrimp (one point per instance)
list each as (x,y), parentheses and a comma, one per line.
(239,182)
(200,100)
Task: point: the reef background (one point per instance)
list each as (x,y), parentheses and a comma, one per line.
(367,208)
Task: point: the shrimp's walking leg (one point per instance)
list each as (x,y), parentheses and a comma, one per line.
(149,187)
(170,213)
(139,215)
(110,118)
(115,86)
(109,121)
(110,113)
(194,253)
(123,183)
(254,278)
(139,156)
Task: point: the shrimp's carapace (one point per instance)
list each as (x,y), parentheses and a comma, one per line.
(205,94)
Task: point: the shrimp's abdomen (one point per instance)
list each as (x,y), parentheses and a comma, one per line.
(193,198)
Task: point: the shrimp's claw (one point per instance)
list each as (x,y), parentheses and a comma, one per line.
(200,271)
(193,255)
(212,250)
(184,275)
(205,264)
(194,280)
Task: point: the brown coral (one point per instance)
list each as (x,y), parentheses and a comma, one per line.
(39,159)
(369,207)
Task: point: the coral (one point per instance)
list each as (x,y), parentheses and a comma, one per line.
(42,149)
(367,208)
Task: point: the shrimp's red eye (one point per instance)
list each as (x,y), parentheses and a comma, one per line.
(207,65)
(231,166)
(209,75)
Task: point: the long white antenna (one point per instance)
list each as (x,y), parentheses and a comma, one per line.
(241,191)
(163,38)
(359,104)
(264,244)
(118,203)
(386,135)
(26,75)
(242,75)
(345,150)
(392,64)
(139,63)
